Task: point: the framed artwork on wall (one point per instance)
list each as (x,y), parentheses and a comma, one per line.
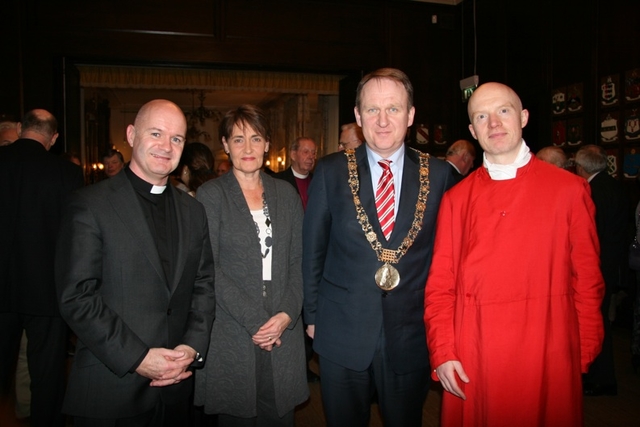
(609,90)
(632,85)
(422,134)
(574,98)
(609,127)
(574,132)
(558,101)
(440,134)
(613,162)
(631,165)
(631,125)
(559,133)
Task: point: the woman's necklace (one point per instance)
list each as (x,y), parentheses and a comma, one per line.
(268,240)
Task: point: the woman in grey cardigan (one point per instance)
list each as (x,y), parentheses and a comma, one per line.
(255,369)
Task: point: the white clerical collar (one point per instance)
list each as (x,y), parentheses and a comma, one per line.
(299,175)
(158,189)
(504,172)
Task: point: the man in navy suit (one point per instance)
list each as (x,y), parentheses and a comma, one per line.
(134,272)
(363,292)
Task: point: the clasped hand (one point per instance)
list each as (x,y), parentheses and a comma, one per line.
(164,366)
(269,334)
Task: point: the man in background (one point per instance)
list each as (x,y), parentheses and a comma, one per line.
(33,186)
(113,162)
(223,167)
(302,154)
(611,224)
(350,137)
(461,156)
(8,132)
(553,155)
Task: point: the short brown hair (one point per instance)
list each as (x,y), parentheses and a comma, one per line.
(242,116)
(387,73)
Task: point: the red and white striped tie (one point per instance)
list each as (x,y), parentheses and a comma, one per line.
(385,199)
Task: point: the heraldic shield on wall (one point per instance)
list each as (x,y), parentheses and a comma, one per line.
(617,124)
(566,110)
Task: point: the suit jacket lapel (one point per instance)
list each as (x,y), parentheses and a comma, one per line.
(408,196)
(184,236)
(126,205)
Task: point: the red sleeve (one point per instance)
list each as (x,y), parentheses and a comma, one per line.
(587,281)
(440,292)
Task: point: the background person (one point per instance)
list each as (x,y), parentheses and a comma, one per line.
(351,136)
(196,166)
(223,167)
(255,374)
(553,155)
(611,204)
(8,132)
(33,186)
(302,153)
(461,156)
(113,162)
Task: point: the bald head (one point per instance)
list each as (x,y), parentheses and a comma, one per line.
(553,155)
(497,119)
(157,139)
(493,90)
(462,154)
(39,125)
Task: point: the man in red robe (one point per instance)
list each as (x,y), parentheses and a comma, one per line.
(512,302)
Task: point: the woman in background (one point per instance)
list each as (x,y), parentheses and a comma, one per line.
(255,372)
(196,166)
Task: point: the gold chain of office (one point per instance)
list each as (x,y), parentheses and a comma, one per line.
(389,255)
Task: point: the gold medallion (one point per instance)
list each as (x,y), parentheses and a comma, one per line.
(387,277)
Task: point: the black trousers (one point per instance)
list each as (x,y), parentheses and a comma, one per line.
(347,394)
(46,355)
(602,372)
(162,415)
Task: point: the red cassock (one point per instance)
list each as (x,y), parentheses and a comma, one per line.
(514,294)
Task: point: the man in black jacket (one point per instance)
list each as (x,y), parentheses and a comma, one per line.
(33,185)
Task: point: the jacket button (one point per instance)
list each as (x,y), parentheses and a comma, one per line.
(384,294)
(169,312)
